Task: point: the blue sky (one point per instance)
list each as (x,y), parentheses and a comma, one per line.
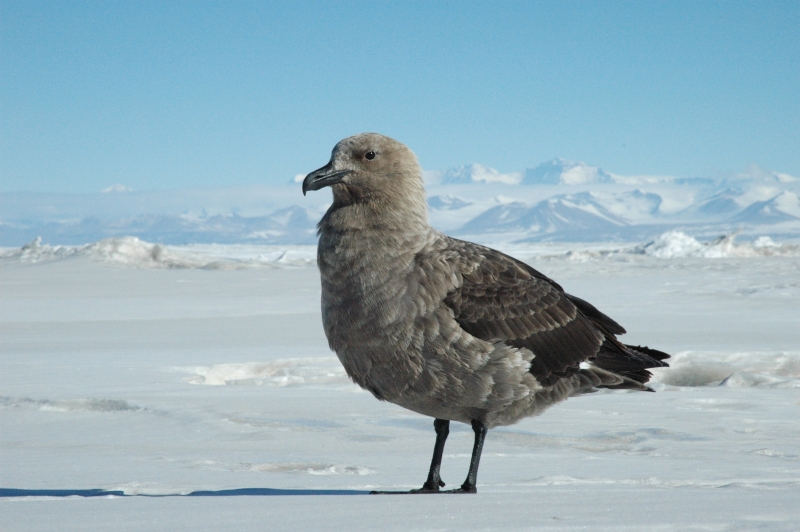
(163,95)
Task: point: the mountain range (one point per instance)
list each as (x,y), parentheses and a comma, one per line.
(558,200)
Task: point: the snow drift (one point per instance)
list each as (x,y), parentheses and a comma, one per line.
(676,244)
(282,372)
(131,251)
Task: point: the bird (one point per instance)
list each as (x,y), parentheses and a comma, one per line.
(444,327)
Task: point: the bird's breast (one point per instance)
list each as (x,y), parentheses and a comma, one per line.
(371,308)
(365,288)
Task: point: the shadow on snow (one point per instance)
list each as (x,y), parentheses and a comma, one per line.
(240,492)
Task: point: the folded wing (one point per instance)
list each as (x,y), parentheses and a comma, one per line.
(503,299)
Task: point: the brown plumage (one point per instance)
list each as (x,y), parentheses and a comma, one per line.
(443,327)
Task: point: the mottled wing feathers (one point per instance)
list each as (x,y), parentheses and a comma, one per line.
(503,299)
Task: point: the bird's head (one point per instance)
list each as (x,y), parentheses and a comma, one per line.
(371,169)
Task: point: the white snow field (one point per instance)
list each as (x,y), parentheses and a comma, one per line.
(147,387)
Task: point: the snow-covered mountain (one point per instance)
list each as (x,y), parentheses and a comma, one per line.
(785,207)
(754,173)
(477,173)
(568,216)
(448,202)
(554,172)
(290,225)
(563,172)
(719,205)
(556,201)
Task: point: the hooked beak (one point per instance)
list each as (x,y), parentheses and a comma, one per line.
(323,177)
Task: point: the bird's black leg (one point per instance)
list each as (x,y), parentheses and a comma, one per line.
(434,482)
(472,477)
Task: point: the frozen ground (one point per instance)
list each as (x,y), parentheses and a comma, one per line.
(196,385)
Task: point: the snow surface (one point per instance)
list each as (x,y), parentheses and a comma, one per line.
(191,388)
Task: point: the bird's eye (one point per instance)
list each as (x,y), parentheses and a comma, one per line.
(369,155)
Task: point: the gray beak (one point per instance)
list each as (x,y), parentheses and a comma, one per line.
(323,177)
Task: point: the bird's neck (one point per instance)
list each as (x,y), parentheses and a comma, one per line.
(409,215)
(350,235)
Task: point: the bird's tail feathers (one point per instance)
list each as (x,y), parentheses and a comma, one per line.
(629,361)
